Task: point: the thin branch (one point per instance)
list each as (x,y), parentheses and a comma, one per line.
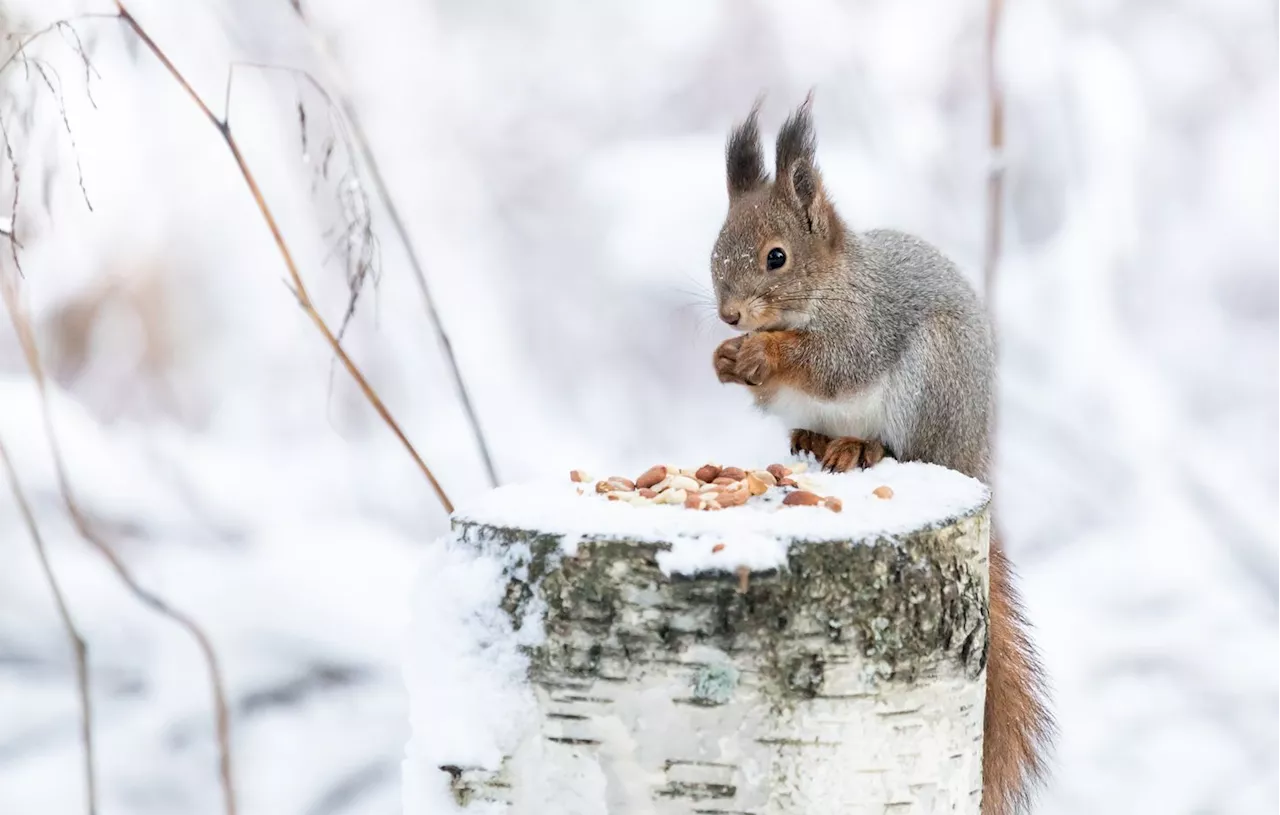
(56,92)
(89,70)
(995,171)
(20,54)
(222,725)
(78,648)
(348,109)
(11,234)
(54,26)
(299,287)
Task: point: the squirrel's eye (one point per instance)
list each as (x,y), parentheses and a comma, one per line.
(775,259)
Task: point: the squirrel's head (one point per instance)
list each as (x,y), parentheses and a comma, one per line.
(782,241)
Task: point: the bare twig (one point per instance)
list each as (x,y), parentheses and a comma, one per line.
(402,233)
(54,26)
(47,74)
(11,234)
(26,340)
(995,170)
(56,92)
(78,46)
(356,239)
(78,648)
(348,124)
(299,287)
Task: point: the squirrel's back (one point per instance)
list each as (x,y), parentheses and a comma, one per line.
(930,328)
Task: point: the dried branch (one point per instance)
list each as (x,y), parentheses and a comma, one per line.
(356,239)
(402,233)
(47,74)
(78,46)
(44,70)
(78,649)
(11,233)
(347,123)
(420,276)
(298,286)
(995,170)
(27,39)
(26,340)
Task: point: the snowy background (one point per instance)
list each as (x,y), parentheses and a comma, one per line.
(558,166)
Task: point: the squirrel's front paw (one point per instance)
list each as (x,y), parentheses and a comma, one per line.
(726,360)
(753,365)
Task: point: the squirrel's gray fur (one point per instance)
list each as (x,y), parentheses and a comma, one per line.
(912,321)
(883,306)
(876,336)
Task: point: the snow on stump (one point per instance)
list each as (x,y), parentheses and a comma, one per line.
(762,659)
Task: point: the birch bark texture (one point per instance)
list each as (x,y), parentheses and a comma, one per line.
(848,679)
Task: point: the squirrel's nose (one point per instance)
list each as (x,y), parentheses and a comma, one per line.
(730,316)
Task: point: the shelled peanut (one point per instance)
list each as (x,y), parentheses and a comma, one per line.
(711,487)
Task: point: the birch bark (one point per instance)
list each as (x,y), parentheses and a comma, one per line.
(850,681)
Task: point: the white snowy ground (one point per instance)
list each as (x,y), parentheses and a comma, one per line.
(560,173)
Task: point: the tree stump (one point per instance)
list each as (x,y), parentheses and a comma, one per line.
(847,677)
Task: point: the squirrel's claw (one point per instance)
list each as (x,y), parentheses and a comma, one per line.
(847,453)
(753,366)
(726,360)
(807,441)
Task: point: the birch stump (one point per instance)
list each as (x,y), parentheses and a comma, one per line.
(847,677)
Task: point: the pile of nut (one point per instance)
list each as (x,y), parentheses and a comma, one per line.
(711,487)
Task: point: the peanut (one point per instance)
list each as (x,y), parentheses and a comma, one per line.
(732,498)
(684,482)
(651,476)
(801,498)
(707,473)
(671,496)
(712,487)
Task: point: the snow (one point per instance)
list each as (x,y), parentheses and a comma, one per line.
(755,535)
(469,702)
(560,170)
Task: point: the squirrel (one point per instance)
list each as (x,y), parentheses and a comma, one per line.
(871,344)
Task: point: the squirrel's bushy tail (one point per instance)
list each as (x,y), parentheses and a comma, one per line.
(1019,728)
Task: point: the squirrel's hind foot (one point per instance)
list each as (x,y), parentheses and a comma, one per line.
(807,441)
(848,453)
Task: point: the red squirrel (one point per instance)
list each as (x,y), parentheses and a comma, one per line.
(867,344)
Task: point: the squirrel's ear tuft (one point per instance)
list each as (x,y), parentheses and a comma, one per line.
(744,157)
(796,142)
(797,169)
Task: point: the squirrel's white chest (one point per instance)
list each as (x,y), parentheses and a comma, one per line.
(862,415)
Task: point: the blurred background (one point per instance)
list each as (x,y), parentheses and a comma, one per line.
(557,168)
